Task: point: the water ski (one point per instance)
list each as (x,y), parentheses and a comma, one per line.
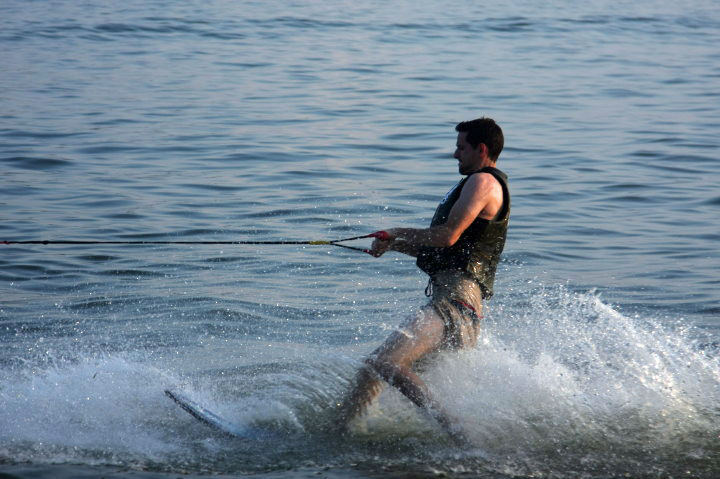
(206,416)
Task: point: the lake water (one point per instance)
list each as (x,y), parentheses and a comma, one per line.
(245,120)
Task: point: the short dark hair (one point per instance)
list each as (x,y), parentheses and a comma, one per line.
(483,130)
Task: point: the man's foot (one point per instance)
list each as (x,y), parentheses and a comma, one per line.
(451,428)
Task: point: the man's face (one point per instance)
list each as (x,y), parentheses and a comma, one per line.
(469,158)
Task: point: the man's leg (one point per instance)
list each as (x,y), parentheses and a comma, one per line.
(393,362)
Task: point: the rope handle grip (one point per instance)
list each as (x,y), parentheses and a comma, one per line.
(381,235)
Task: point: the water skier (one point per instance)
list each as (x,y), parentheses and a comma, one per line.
(460,252)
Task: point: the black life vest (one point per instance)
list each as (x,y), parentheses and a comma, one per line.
(478,249)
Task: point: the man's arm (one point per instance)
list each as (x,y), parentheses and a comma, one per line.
(481,196)
(399,245)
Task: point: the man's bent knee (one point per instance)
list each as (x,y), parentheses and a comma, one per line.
(393,374)
(400,377)
(384,369)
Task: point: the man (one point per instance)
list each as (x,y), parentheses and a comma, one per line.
(460,252)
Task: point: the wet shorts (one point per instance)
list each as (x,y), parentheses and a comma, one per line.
(457,299)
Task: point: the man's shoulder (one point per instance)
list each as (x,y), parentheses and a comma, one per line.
(483,186)
(482,179)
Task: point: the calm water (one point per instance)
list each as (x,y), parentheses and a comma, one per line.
(240,120)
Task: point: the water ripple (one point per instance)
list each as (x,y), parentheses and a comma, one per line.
(31,163)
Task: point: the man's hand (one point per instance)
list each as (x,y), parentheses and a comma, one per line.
(383,242)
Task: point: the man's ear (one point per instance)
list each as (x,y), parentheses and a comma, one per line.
(482,149)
